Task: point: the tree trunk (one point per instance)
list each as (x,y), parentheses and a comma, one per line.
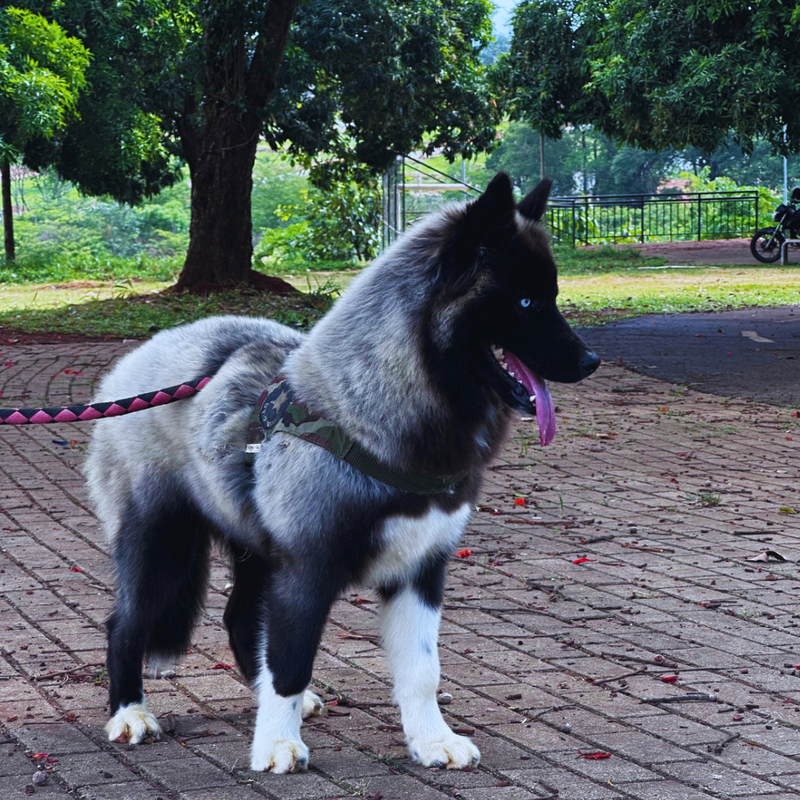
(8,210)
(222,154)
(220,236)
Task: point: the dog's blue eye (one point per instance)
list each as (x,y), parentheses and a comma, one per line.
(525,302)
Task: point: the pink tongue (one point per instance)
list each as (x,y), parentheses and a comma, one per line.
(545,412)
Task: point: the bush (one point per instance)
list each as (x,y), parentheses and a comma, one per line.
(341,225)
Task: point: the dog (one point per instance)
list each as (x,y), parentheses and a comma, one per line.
(418,368)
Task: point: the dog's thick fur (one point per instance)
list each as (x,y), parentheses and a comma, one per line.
(404,364)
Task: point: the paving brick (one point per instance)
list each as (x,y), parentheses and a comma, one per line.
(716,777)
(563,784)
(526,634)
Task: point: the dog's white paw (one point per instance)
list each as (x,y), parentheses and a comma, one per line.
(280,756)
(312,704)
(451,751)
(133,723)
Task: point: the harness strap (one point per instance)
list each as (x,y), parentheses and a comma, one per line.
(277,411)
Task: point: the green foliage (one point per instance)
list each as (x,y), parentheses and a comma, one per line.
(365,80)
(540,79)
(338,225)
(761,167)
(55,268)
(586,161)
(121,143)
(600,260)
(582,161)
(658,73)
(64,235)
(676,72)
(275,183)
(41,72)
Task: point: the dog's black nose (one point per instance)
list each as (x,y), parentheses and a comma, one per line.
(589,362)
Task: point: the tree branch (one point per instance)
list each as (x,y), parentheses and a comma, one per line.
(266,62)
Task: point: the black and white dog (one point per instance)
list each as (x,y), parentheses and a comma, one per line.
(420,363)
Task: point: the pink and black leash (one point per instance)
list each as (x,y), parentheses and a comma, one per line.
(42,416)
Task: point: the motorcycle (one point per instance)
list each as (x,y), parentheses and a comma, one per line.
(767,242)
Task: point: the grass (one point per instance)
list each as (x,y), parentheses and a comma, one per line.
(596,286)
(603,260)
(108,312)
(594,299)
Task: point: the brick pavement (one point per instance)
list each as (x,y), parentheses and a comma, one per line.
(665,492)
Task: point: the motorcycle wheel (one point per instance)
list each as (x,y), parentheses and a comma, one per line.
(766,245)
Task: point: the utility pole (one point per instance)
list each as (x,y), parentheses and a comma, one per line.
(541,155)
(8,210)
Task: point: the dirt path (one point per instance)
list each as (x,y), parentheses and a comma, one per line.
(717,251)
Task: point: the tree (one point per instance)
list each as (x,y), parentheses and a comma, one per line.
(582,161)
(682,73)
(659,73)
(41,72)
(704,78)
(119,144)
(362,81)
(540,79)
(367,80)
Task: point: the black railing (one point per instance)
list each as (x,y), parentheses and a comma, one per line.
(413,188)
(653,217)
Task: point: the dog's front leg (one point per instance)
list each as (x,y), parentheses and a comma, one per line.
(410,627)
(277,745)
(295,614)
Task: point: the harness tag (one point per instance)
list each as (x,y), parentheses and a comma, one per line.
(253,448)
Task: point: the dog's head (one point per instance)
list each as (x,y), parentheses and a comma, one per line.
(498,297)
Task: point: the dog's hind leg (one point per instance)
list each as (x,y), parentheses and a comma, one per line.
(410,617)
(244,611)
(161,555)
(297,605)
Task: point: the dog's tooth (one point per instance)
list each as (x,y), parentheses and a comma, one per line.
(532,398)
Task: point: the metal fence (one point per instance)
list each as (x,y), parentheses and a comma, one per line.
(653,217)
(412,189)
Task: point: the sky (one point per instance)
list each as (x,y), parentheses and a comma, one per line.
(502,16)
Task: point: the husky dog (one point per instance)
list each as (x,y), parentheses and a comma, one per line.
(420,364)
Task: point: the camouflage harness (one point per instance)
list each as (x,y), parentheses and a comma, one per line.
(277,411)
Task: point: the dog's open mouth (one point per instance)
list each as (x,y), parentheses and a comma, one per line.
(531,391)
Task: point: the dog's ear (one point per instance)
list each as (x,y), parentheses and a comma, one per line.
(495,203)
(533,205)
(478,224)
